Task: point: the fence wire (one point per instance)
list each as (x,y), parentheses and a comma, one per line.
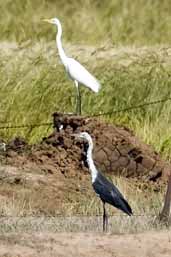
(45,124)
(126,109)
(77,215)
(130,108)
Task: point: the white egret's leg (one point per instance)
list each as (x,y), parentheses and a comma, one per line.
(78,99)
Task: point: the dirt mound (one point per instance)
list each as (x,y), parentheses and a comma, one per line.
(52,177)
(116,150)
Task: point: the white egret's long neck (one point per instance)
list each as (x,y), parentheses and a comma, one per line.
(61,51)
(90,162)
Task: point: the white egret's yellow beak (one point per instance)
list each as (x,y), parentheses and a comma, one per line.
(47,20)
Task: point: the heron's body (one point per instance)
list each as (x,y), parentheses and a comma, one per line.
(75,70)
(104,188)
(108,193)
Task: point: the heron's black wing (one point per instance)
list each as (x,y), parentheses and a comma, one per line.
(109,193)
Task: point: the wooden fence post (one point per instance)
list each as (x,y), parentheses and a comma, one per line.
(165,213)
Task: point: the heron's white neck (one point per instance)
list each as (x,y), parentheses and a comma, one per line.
(90,161)
(61,51)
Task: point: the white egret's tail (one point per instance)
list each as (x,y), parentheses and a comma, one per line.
(82,75)
(95,86)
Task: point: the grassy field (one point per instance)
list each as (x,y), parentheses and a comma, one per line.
(124,43)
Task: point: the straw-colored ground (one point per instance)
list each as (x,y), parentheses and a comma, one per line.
(149,244)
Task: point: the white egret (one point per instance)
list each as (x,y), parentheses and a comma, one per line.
(104,188)
(74,69)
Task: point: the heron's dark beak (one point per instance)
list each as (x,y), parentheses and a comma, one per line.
(75,135)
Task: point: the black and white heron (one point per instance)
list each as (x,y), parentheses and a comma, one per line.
(104,188)
(75,70)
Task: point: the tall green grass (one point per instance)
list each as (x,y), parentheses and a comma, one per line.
(115,21)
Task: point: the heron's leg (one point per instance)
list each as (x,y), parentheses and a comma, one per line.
(78,99)
(105,219)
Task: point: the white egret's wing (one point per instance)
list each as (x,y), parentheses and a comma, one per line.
(79,73)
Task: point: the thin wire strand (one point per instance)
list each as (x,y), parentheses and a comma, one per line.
(27,125)
(129,108)
(76,215)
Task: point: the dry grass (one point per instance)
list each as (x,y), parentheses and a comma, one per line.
(84,212)
(117,224)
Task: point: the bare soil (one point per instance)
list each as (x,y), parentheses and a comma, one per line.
(149,244)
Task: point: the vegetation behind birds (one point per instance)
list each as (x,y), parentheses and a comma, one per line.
(115,21)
